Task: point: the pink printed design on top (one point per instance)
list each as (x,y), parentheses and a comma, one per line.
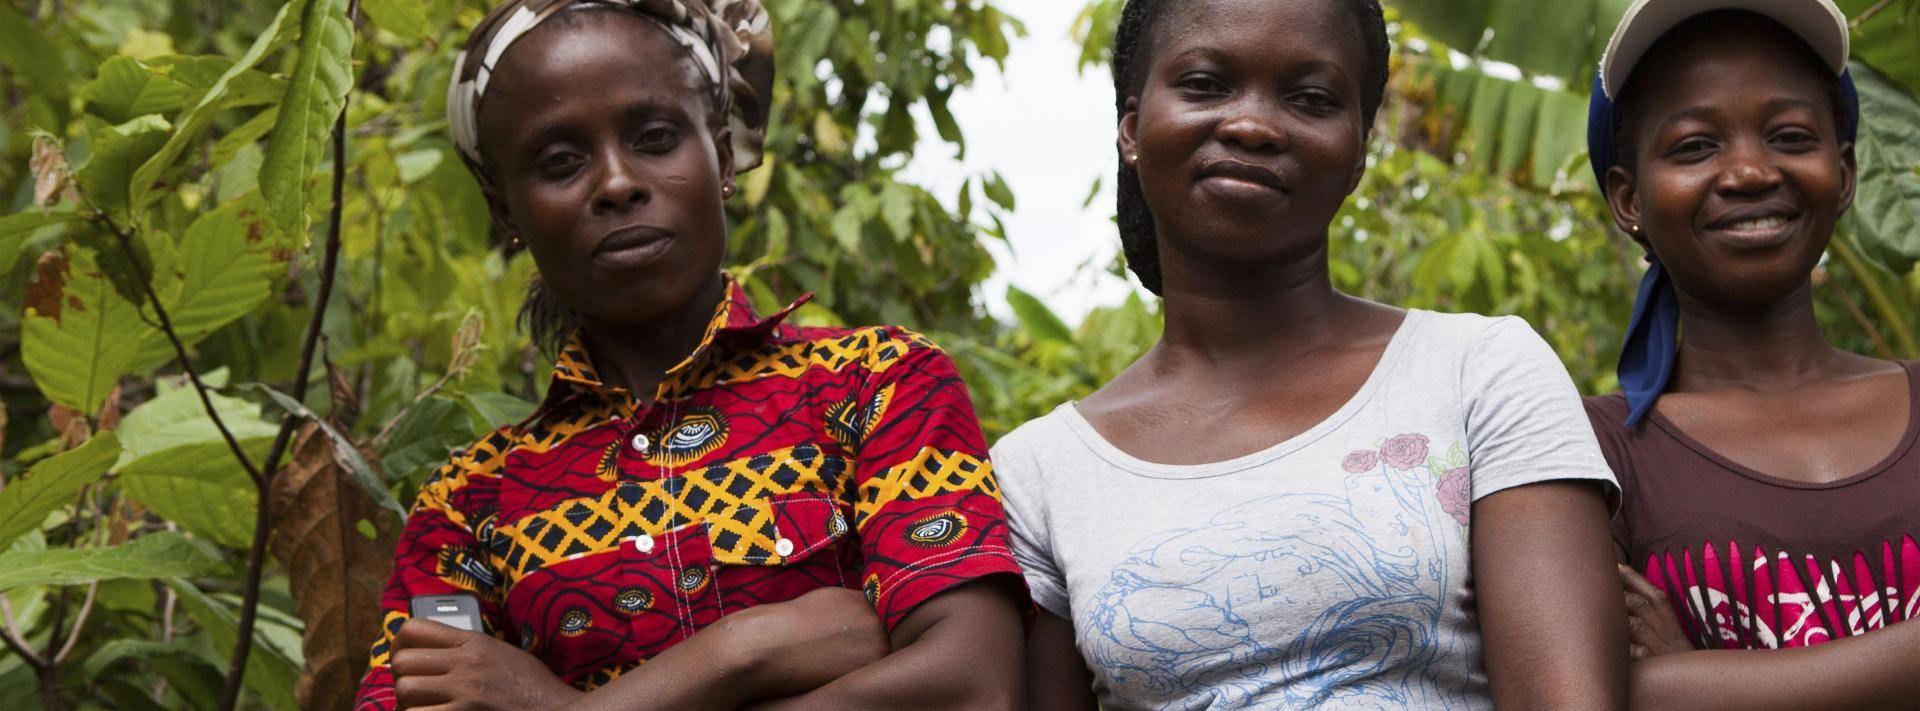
(1773,601)
(1405,451)
(1360,461)
(1455,491)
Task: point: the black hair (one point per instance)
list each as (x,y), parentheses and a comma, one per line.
(1626,130)
(1133,47)
(548,321)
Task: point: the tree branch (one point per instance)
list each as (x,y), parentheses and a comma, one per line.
(1868,14)
(9,633)
(180,349)
(329,263)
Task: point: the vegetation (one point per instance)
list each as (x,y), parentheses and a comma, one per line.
(251,294)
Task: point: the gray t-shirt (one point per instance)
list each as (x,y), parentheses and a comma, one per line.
(1329,570)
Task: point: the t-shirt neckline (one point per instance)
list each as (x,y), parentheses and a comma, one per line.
(1900,450)
(1070,413)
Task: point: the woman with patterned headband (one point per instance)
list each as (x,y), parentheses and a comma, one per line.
(1772,480)
(691,518)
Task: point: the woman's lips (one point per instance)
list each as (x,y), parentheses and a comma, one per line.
(630,247)
(1755,232)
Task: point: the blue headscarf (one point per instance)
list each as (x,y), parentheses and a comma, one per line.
(1653,335)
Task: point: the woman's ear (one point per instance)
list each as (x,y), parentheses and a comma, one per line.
(1129,127)
(497,209)
(1624,202)
(1850,167)
(723,152)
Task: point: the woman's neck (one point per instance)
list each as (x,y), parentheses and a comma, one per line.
(1774,347)
(636,356)
(1230,314)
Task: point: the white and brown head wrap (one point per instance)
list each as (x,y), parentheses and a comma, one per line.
(731,41)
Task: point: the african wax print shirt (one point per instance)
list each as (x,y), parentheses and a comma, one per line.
(773,461)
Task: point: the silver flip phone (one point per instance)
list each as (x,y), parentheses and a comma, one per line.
(459,610)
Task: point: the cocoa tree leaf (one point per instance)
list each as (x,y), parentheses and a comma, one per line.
(79,335)
(156,555)
(52,483)
(177,464)
(338,573)
(345,452)
(271,671)
(322,76)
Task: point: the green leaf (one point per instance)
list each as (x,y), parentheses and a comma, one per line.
(344,451)
(126,89)
(426,434)
(196,119)
(117,152)
(998,192)
(1889,41)
(846,228)
(228,260)
(176,463)
(156,555)
(28,54)
(406,18)
(271,670)
(1885,217)
(79,336)
(492,410)
(16,228)
(51,484)
(321,79)
(1037,318)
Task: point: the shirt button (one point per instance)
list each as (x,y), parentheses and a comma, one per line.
(784,547)
(641,443)
(643,543)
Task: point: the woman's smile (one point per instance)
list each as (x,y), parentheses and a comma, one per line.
(1237,181)
(1756,227)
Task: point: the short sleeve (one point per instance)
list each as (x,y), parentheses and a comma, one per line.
(927,508)
(1023,491)
(438,554)
(1607,415)
(1524,420)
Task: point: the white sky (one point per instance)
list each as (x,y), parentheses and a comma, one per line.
(1049,131)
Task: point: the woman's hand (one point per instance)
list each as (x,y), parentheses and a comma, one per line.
(441,667)
(1652,628)
(796,646)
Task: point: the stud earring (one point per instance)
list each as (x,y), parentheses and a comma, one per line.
(1635,229)
(726,191)
(1135,158)
(514,242)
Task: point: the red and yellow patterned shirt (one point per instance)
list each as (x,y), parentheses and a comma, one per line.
(773,461)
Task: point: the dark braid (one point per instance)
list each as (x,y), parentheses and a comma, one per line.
(1133,47)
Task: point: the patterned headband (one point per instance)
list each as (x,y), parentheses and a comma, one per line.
(731,42)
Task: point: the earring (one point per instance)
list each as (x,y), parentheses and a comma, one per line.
(726,191)
(1635,229)
(1135,158)
(514,242)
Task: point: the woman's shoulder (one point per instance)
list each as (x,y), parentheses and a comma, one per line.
(1038,434)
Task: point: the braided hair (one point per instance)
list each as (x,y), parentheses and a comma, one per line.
(1133,48)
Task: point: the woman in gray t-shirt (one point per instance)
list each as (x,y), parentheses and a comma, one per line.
(1298,497)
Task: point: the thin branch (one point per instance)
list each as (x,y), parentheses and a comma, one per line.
(79,623)
(329,263)
(9,633)
(180,350)
(1868,14)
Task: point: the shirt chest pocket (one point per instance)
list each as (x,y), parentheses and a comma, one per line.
(777,548)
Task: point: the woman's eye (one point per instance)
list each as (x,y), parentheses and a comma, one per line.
(559,164)
(1796,138)
(1202,83)
(1316,99)
(1692,147)
(656,139)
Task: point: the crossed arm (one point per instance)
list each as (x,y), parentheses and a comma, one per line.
(826,649)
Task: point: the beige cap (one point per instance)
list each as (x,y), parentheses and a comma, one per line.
(1818,22)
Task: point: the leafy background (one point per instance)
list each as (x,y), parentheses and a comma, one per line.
(276,180)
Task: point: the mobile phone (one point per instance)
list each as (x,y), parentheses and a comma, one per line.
(459,610)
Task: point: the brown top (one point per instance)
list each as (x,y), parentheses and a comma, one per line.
(1814,561)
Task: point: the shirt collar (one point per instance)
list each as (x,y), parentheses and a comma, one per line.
(732,319)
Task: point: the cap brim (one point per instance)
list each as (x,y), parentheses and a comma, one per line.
(1818,22)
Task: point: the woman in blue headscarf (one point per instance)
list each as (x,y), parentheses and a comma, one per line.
(1772,480)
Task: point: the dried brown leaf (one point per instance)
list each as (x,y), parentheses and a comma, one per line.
(48,287)
(51,177)
(337,572)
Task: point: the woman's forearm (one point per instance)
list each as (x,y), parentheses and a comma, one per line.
(959,650)
(704,672)
(1876,670)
